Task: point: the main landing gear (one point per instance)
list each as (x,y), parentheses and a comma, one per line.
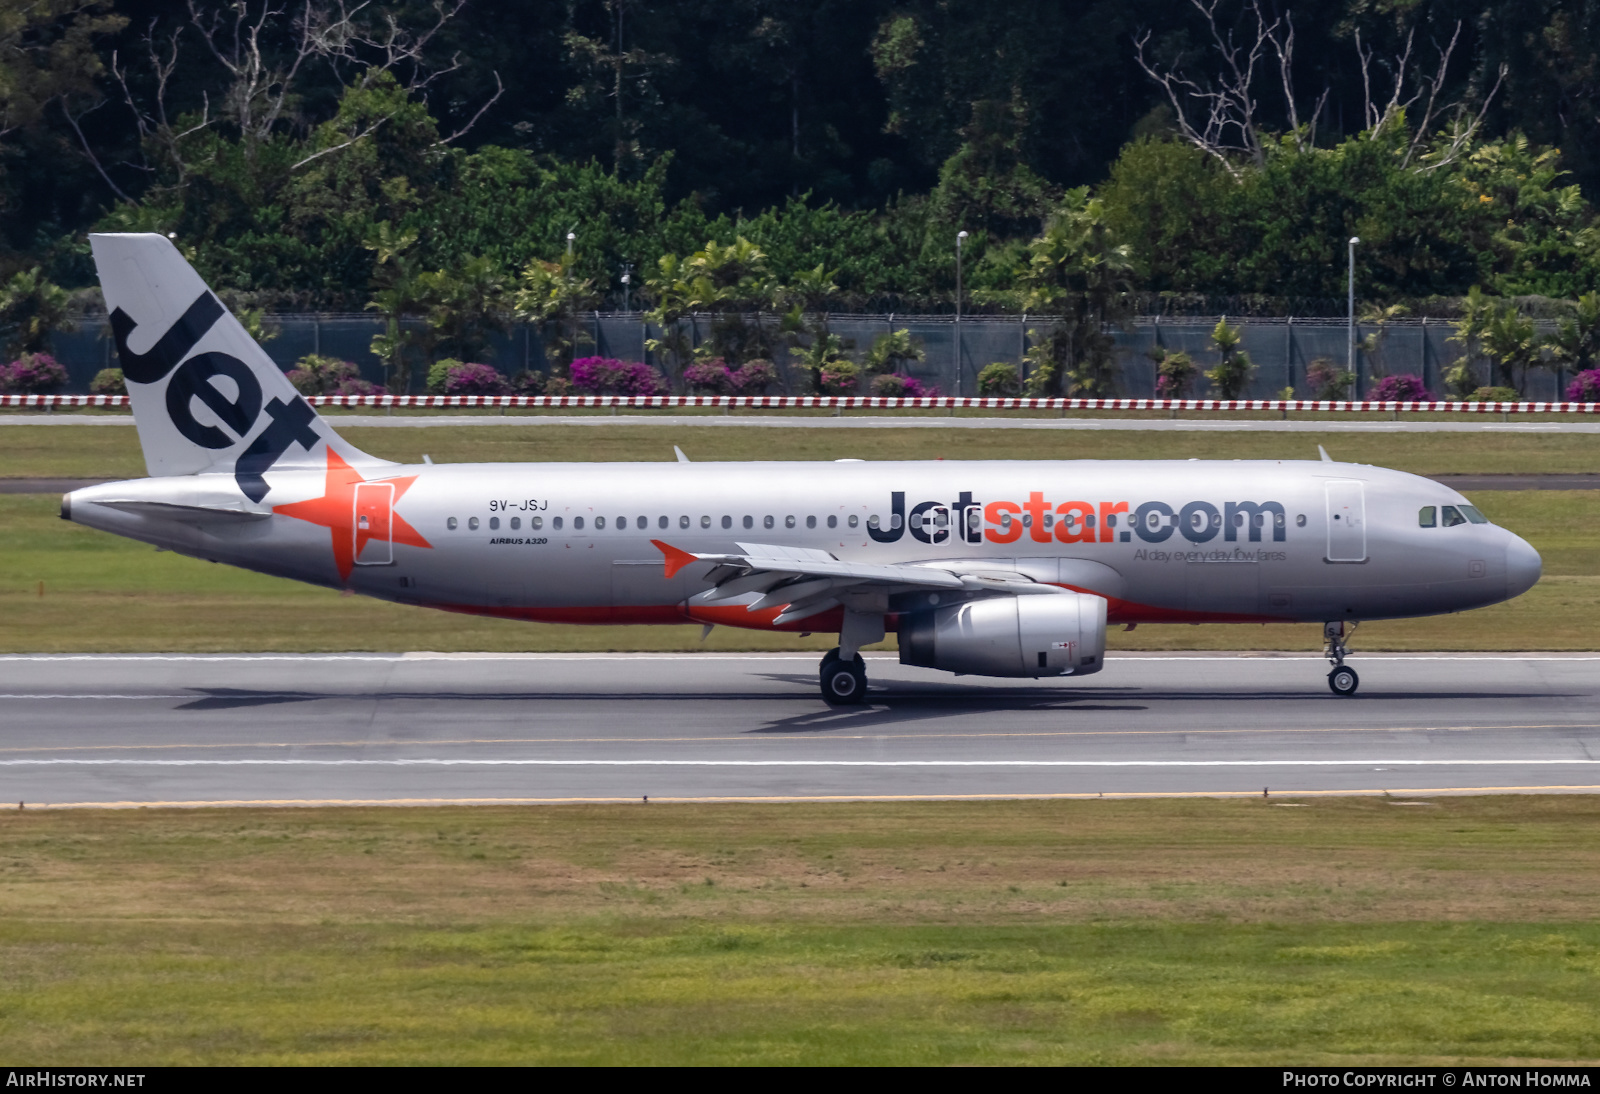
(1343,679)
(844,683)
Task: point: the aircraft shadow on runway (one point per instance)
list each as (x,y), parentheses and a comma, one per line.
(893,701)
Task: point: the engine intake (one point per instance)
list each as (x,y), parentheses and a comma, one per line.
(1009,636)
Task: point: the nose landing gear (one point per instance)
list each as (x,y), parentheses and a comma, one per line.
(1343,679)
(844,683)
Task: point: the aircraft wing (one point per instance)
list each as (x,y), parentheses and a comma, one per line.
(809,581)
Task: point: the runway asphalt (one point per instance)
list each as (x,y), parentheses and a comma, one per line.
(1527,423)
(446,728)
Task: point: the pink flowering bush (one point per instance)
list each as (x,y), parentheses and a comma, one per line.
(754,377)
(1585,387)
(714,377)
(839,378)
(315,375)
(475,379)
(1406,388)
(894,386)
(32,374)
(609,376)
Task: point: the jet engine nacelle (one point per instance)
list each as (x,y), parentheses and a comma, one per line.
(1009,636)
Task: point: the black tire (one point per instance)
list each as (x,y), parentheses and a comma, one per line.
(1343,680)
(844,683)
(830,657)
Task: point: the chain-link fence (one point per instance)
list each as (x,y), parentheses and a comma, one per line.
(1281,349)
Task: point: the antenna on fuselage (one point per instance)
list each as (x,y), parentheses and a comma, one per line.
(681,457)
(1325,457)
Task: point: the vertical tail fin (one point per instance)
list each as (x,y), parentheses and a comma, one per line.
(205,396)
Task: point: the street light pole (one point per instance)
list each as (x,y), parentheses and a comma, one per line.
(1350,348)
(570,237)
(627,279)
(961,237)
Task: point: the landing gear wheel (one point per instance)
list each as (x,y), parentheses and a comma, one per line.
(1343,680)
(844,683)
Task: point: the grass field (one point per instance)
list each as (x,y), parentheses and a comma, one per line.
(1327,931)
(67,588)
(113,451)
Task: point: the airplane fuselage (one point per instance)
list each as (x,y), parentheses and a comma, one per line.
(1161,541)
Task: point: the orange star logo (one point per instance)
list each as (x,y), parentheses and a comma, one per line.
(356,517)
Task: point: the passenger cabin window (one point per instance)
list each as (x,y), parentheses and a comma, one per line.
(644,522)
(1453,517)
(516,522)
(767,522)
(705,522)
(854,520)
(537,523)
(727,522)
(451,524)
(1428,516)
(749,522)
(494,524)
(872,521)
(577,524)
(472,524)
(788,522)
(833,522)
(599,522)
(622,523)
(555,522)
(811,522)
(1472,514)
(683,522)
(663,522)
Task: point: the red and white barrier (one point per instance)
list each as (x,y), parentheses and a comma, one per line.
(860,402)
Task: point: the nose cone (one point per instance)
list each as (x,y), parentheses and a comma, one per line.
(1523,566)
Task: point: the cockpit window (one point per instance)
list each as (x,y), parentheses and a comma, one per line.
(1472,514)
(1453,517)
(1428,516)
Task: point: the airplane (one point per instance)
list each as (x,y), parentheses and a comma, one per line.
(992,568)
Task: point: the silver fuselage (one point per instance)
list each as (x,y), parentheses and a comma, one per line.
(1170,541)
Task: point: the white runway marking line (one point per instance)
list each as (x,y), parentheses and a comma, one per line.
(762,742)
(447,762)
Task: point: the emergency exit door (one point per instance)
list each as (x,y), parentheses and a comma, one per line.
(1347,521)
(373,530)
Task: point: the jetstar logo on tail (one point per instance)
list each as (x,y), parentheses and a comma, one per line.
(352,531)
(239,408)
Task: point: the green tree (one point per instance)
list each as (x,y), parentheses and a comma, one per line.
(1575,344)
(31,309)
(1477,311)
(893,352)
(1511,342)
(398,294)
(1231,374)
(1078,270)
(551,295)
